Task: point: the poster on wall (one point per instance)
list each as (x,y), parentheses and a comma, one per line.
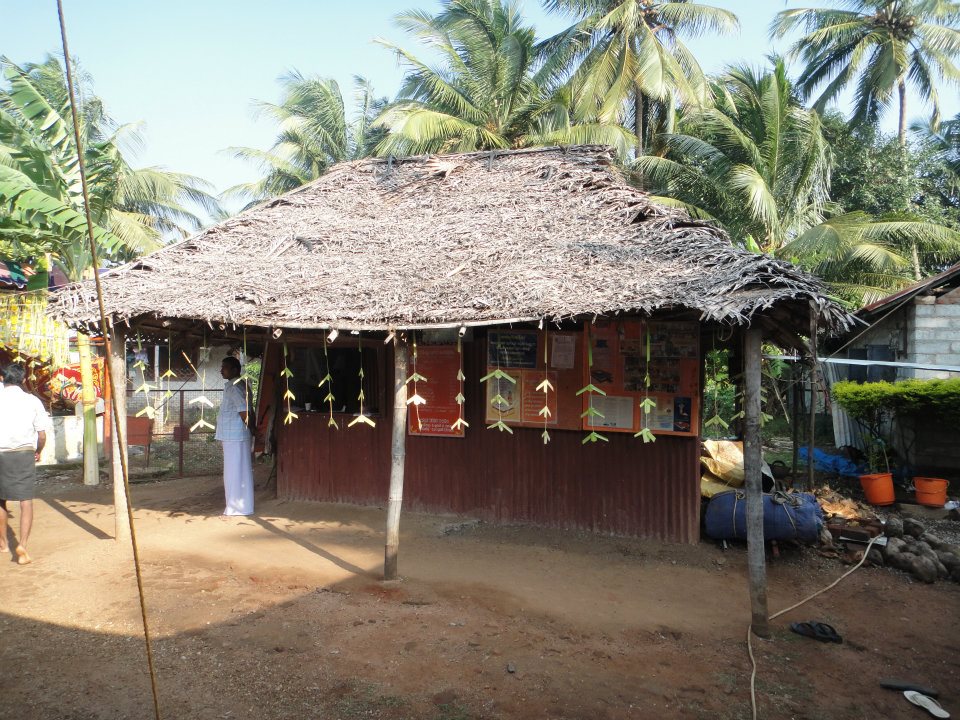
(512,348)
(439,364)
(633,360)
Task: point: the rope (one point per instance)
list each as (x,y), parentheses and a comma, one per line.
(753,662)
(110,378)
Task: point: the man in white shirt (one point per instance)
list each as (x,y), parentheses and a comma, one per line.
(234,435)
(23,433)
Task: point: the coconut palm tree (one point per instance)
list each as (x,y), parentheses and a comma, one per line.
(314,134)
(944,142)
(629,60)
(484,93)
(41,199)
(757,163)
(879,47)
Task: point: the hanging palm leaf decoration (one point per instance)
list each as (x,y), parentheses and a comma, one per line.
(591,412)
(460,423)
(361,417)
(416,399)
(648,403)
(288,395)
(328,381)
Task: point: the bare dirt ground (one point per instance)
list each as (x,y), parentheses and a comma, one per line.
(284,615)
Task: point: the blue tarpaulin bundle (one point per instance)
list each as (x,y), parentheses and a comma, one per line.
(786,516)
(833,464)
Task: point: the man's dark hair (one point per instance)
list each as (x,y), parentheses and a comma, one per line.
(13,374)
(232,362)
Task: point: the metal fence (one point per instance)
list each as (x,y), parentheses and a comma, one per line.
(177,441)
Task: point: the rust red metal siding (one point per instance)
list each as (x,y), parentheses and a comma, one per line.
(623,487)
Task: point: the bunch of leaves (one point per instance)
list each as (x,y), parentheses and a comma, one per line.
(872,402)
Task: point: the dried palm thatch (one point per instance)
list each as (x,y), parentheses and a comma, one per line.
(476,239)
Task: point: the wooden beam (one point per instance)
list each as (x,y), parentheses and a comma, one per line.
(811,441)
(118,381)
(399,456)
(752,460)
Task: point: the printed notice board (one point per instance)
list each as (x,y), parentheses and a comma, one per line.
(529,357)
(439,364)
(634,361)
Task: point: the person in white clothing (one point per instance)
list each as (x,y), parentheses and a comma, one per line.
(23,433)
(234,435)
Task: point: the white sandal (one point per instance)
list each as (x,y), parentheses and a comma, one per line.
(926,702)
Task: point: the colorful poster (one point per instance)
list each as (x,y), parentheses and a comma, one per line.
(512,349)
(534,400)
(504,398)
(439,364)
(633,359)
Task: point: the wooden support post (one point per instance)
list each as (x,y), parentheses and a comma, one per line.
(796,375)
(752,460)
(398,454)
(811,441)
(118,371)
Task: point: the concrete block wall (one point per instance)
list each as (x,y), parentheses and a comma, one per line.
(933,331)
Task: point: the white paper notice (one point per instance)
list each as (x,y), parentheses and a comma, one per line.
(563,353)
(617,412)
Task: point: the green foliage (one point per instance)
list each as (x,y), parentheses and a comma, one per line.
(875,405)
(41,200)
(625,61)
(484,93)
(936,399)
(879,47)
(314,133)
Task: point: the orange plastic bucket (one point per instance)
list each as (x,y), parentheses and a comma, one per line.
(878,488)
(931,491)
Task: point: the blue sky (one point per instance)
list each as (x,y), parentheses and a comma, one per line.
(189,70)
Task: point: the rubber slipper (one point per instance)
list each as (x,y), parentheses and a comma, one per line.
(806,629)
(827,633)
(927,703)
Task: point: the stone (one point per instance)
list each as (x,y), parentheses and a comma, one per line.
(894,527)
(932,540)
(912,527)
(924,569)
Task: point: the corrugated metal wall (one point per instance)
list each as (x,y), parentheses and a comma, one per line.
(622,487)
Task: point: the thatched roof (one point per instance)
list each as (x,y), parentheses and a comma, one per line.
(478,238)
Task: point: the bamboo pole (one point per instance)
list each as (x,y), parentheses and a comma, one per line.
(811,441)
(752,460)
(118,370)
(91,453)
(399,454)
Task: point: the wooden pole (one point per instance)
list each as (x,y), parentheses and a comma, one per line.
(91,463)
(811,441)
(796,374)
(118,368)
(752,460)
(399,455)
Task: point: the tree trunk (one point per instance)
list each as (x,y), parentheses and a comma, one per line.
(91,463)
(902,126)
(812,440)
(638,119)
(118,373)
(752,460)
(915,258)
(399,455)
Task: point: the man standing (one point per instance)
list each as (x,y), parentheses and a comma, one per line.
(234,435)
(23,433)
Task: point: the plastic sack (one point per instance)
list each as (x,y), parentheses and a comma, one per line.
(786,516)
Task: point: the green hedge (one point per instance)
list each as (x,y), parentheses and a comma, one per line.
(938,399)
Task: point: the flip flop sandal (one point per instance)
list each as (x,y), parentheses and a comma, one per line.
(927,703)
(827,633)
(807,630)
